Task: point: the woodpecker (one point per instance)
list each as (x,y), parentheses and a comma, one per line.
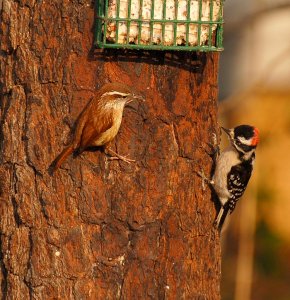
(234,168)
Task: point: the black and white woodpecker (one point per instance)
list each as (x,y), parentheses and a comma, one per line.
(234,168)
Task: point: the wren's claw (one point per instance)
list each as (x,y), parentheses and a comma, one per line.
(119,157)
(123,158)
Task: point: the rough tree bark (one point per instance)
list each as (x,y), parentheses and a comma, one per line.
(102,229)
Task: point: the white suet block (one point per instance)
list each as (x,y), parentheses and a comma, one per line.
(161,34)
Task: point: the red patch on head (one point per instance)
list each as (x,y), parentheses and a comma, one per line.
(255,139)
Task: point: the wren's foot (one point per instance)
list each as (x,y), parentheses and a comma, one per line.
(118,156)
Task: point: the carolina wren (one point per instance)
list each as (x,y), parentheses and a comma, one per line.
(99,122)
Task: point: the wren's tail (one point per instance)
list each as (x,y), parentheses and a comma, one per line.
(60,159)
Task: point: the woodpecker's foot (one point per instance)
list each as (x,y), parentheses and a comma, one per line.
(119,157)
(214,151)
(214,147)
(204,179)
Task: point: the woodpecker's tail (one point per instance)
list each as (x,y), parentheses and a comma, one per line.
(220,219)
(60,159)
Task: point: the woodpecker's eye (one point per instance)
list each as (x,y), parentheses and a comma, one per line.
(238,142)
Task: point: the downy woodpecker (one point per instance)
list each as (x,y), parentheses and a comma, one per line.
(234,168)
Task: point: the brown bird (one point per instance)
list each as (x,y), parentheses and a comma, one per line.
(100,121)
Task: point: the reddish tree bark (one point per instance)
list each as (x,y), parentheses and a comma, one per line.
(102,229)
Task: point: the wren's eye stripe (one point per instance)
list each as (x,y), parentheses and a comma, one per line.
(115,93)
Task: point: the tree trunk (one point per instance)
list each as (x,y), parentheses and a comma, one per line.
(100,229)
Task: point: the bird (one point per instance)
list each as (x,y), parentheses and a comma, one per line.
(99,122)
(233,169)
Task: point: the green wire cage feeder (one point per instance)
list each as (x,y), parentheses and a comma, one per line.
(191,25)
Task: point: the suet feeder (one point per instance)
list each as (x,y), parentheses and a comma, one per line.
(190,25)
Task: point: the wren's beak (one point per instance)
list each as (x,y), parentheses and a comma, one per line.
(138,97)
(135,97)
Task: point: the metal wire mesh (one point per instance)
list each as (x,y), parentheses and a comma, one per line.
(190,25)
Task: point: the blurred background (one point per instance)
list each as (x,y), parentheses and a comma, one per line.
(255,89)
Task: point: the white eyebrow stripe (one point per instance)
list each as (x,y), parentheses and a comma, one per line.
(115,93)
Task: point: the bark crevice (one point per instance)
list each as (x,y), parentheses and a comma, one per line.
(4,271)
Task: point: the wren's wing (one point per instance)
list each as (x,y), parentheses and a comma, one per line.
(93,128)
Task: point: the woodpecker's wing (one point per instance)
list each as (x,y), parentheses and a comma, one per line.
(237,181)
(93,129)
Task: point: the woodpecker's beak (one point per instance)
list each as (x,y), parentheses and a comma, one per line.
(227,131)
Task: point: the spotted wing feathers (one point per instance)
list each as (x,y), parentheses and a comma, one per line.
(237,182)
